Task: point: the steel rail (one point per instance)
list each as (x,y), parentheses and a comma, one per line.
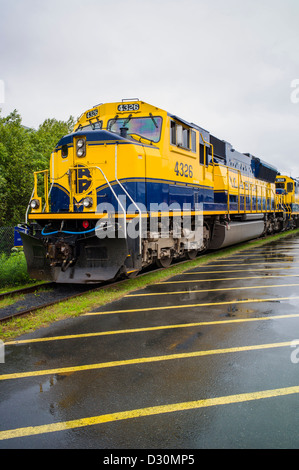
(26,290)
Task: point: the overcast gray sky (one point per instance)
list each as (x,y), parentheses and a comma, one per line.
(226,65)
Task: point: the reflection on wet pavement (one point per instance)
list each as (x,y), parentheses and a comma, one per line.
(174,365)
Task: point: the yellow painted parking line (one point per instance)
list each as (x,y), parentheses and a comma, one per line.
(233,271)
(221,289)
(249,264)
(269,252)
(268,248)
(226,279)
(209,304)
(263,252)
(150,328)
(150,411)
(142,360)
(245,258)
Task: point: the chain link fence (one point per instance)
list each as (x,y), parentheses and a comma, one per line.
(6,239)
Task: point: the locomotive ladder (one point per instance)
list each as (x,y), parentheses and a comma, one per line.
(132,200)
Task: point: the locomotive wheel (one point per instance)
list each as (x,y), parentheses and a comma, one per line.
(190,254)
(163,262)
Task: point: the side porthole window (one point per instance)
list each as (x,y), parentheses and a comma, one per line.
(64,151)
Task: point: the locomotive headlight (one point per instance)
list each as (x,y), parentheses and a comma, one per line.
(87,202)
(81,148)
(34,204)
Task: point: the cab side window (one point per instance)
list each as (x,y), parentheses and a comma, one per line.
(182,136)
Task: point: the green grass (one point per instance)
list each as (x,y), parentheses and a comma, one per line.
(13,270)
(12,299)
(92,300)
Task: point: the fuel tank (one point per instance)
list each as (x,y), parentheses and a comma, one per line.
(235,232)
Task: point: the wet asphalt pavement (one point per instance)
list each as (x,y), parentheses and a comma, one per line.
(205,360)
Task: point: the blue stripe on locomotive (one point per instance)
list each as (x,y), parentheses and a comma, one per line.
(142,192)
(158,192)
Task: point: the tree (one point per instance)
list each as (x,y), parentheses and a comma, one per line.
(45,139)
(15,162)
(23,151)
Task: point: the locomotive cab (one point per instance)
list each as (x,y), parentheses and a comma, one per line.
(287,190)
(96,193)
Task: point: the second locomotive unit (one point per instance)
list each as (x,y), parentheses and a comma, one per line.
(120,188)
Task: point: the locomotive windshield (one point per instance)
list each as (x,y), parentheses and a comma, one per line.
(92,126)
(148,127)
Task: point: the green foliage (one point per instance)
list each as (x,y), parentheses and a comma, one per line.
(45,139)
(13,270)
(23,151)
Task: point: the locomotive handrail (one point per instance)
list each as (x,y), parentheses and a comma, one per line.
(132,200)
(205,156)
(265,193)
(28,207)
(112,190)
(239,192)
(46,185)
(53,179)
(34,194)
(228,195)
(115,195)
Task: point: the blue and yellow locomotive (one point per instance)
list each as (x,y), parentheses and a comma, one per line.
(120,188)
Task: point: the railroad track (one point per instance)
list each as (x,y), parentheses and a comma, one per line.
(26,290)
(61,292)
(33,298)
